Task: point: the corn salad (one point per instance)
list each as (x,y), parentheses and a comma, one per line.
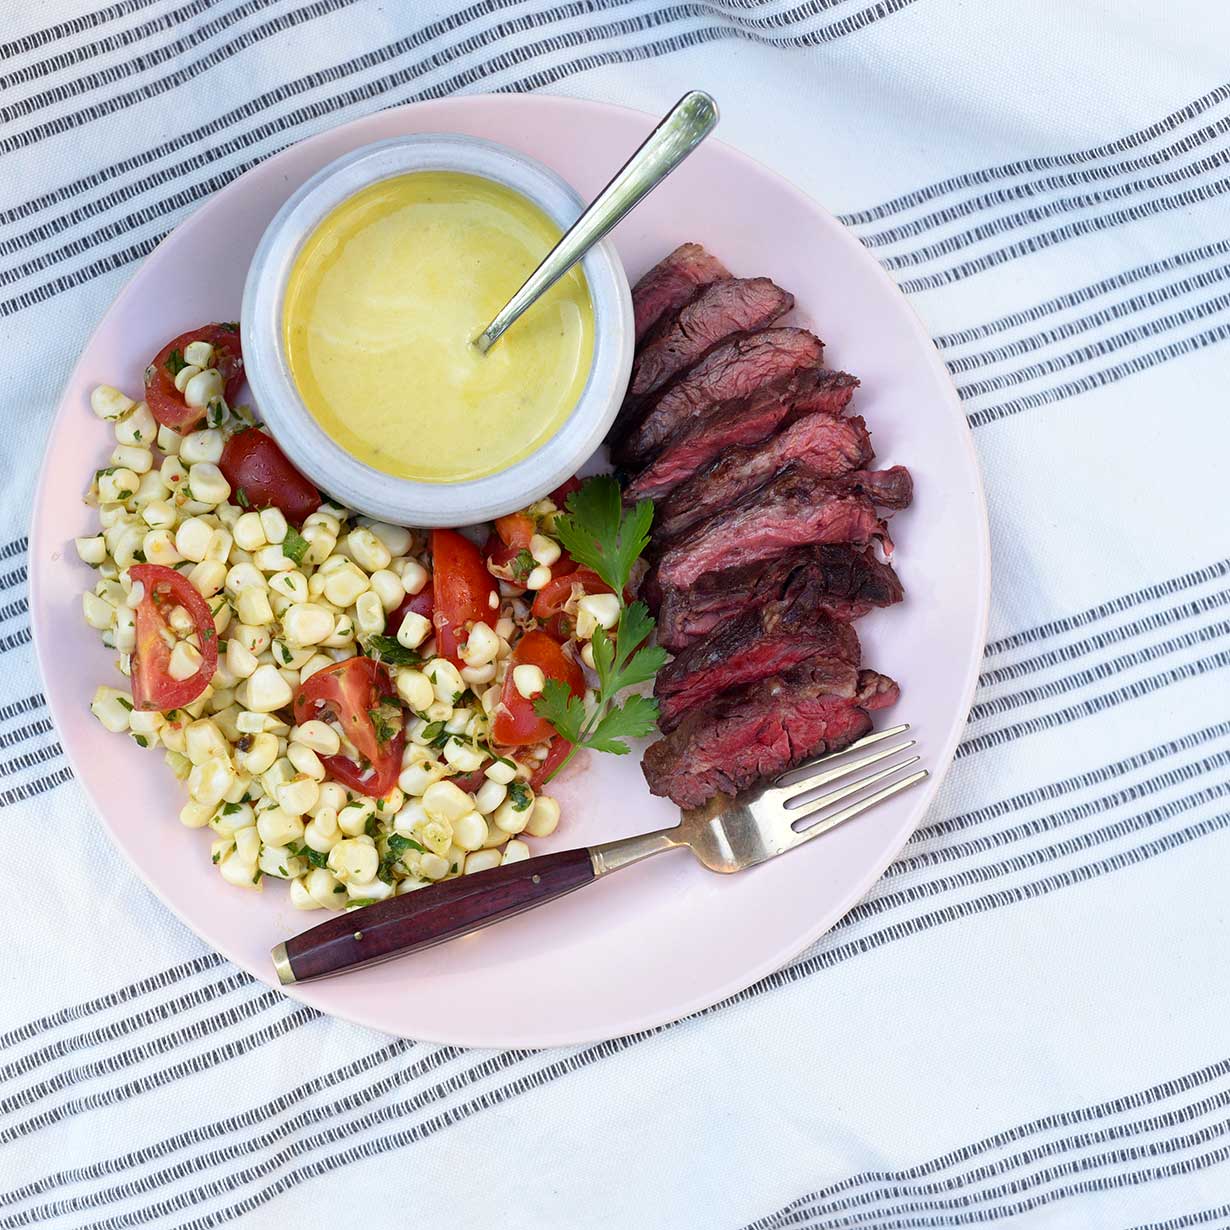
(285,604)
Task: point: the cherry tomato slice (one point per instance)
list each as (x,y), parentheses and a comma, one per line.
(556,753)
(516,722)
(358,694)
(550,600)
(253,464)
(152,685)
(463,590)
(515,530)
(559,497)
(165,401)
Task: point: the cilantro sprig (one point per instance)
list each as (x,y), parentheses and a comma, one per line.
(602,535)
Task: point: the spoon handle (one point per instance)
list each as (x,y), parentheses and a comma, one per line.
(691,119)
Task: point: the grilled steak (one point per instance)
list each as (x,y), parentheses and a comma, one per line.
(735,368)
(671,283)
(755,645)
(761,730)
(842,581)
(820,443)
(734,305)
(745,421)
(792,510)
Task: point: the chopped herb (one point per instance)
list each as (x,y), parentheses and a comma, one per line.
(315,857)
(256,879)
(358,902)
(372,827)
(139,556)
(339,889)
(283,652)
(457,697)
(141,740)
(230,326)
(520,796)
(217,855)
(175,362)
(399,844)
(241,498)
(105,470)
(171,714)
(282,870)
(136,434)
(214,414)
(126,494)
(209,634)
(229,809)
(432,731)
(126,704)
(294,545)
(390,650)
(522,564)
(454,869)
(384,729)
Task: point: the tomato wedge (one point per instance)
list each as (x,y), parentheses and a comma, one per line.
(507,549)
(463,591)
(261,476)
(359,696)
(550,600)
(559,497)
(152,685)
(556,754)
(165,401)
(516,722)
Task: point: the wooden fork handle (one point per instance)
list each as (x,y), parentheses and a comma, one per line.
(429,916)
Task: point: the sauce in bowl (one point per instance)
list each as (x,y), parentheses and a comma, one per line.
(382,304)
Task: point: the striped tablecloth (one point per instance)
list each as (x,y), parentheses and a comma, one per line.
(1026,1022)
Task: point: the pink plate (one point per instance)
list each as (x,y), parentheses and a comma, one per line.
(657,941)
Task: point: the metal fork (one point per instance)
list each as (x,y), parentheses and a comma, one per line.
(726,835)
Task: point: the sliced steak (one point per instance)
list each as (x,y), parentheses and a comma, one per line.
(844,582)
(761,730)
(734,425)
(671,283)
(755,645)
(734,305)
(819,443)
(735,368)
(792,510)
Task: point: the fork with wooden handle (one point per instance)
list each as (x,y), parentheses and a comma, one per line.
(726,834)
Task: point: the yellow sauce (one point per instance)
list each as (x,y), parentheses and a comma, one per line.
(381,308)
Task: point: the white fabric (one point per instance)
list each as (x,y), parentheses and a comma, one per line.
(1025,1022)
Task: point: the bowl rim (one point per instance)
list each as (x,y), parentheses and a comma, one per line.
(330,466)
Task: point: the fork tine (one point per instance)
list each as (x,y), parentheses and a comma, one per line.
(859,806)
(797,789)
(833,796)
(790,776)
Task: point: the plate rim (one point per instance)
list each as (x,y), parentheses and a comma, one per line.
(980,564)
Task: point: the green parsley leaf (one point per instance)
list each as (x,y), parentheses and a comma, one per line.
(598,533)
(294,545)
(634,719)
(229,809)
(175,362)
(390,650)
(315,857)
(241,498)
(141,740)
(564,711)
(520,796)
(124,704)
(358,902)
(399,844)
(215,413)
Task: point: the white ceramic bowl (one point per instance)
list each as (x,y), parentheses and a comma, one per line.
(326,463)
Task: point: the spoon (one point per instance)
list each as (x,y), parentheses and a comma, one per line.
(689,122)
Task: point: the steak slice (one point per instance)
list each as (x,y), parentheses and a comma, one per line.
(671,283)
(843,582)
(792,510)
(755,645)
(734,368)
(744,421)
(761,730)
(820,443)
(733,305)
